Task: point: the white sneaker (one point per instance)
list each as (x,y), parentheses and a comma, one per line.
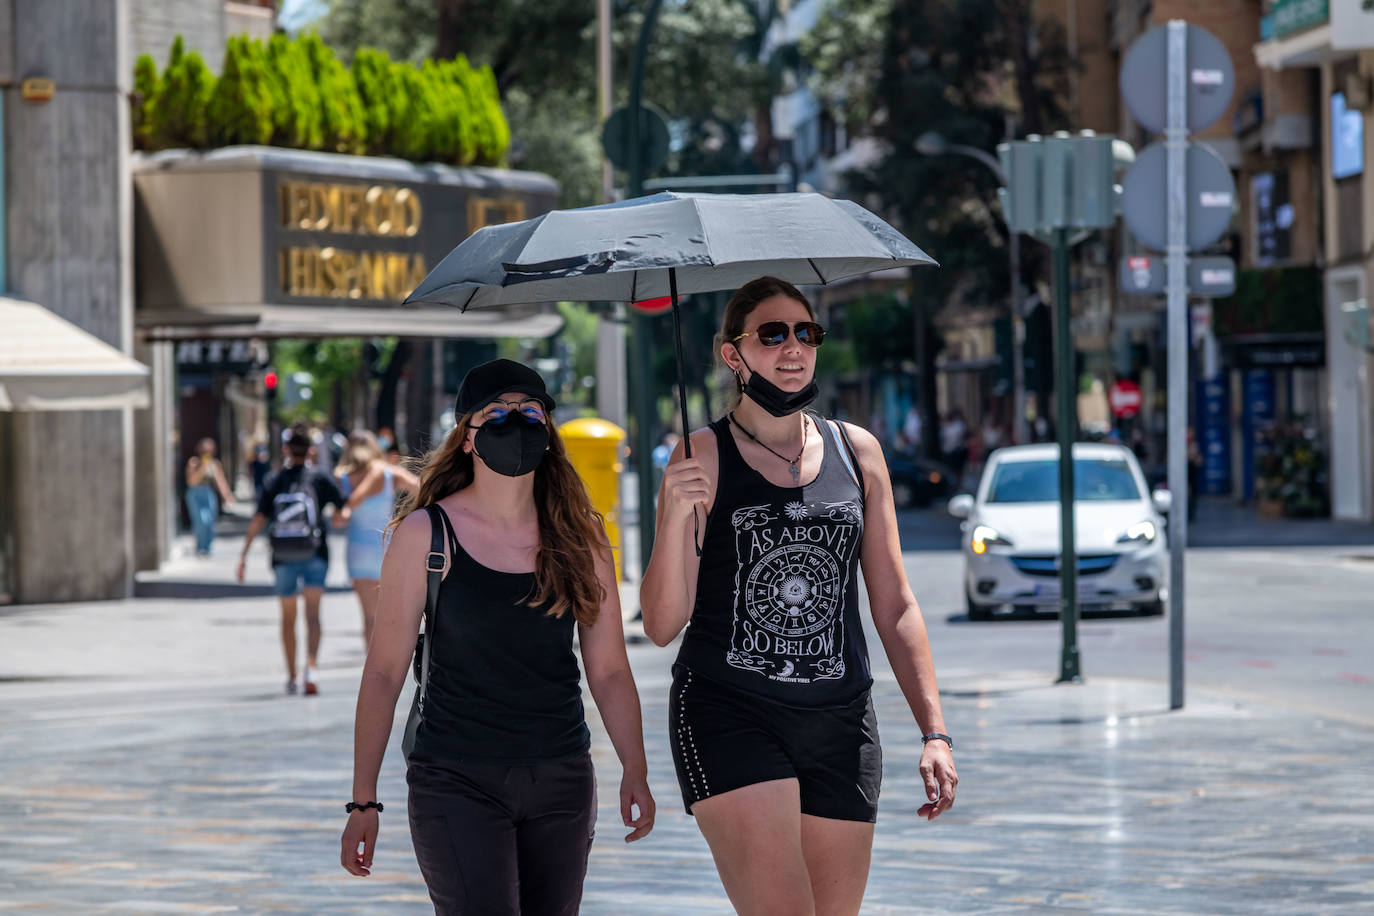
(310,688)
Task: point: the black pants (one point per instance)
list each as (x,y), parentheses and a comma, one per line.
(502,840)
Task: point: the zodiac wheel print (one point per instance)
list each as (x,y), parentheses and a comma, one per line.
(793,590)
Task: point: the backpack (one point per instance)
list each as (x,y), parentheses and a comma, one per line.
(294,532)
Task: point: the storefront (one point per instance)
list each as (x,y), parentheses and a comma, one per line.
(244,245)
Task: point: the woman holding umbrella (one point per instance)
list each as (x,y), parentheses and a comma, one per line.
(771,722)
(502,796)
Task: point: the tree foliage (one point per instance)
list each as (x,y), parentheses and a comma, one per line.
(297,93)
(970,70)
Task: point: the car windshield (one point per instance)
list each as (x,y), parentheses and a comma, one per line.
(1094,479)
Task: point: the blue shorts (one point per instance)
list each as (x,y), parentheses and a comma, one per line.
(291,577)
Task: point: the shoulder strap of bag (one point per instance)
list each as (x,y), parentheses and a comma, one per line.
(435,563)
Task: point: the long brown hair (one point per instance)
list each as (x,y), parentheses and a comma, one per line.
(570,529)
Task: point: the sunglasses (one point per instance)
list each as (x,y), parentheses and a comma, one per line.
(530,409)
(774,333)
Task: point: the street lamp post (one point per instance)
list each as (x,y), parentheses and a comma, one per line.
(932,144)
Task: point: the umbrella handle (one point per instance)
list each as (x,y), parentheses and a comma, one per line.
(682,395)
(681,364)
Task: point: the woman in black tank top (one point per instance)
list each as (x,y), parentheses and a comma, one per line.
(757,552)
(502,794)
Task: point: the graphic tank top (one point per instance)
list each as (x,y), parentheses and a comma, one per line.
(777,608)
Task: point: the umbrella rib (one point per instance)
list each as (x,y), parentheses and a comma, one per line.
(817,271)
(634,285)
(469,299)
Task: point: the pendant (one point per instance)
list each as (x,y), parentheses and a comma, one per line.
(796,472)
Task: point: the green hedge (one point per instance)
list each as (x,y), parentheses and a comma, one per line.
(295,93)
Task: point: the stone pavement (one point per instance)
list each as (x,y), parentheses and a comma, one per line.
(150,763)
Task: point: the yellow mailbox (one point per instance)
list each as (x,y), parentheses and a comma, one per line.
(594,448)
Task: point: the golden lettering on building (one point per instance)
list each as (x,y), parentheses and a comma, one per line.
(339,273)
(388,211)
(492,211)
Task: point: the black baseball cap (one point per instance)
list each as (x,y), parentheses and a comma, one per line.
(484,383)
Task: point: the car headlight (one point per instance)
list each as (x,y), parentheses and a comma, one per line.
(983,537)
(1139,533)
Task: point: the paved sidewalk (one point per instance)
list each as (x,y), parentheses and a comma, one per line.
(150,763)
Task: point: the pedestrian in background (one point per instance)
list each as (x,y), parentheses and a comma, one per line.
(204,478)
(369,483)
(911,431)
(291,509)
(954,444)
(771,721)
(259,468)
(502,792)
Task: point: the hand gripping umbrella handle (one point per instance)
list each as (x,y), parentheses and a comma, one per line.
(682,394)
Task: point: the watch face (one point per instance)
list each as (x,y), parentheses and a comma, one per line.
(793,591)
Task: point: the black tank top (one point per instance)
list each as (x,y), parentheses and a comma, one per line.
(777,609)
(503,681)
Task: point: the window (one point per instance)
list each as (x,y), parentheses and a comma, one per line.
(1094,480)
(1347,139)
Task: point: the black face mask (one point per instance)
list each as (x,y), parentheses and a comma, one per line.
(772,398)
(514,447)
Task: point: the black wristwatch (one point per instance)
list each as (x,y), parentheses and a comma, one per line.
(926,739)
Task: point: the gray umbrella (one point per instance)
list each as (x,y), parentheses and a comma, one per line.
(663,245)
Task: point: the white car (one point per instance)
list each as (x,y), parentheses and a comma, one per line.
(1011,532)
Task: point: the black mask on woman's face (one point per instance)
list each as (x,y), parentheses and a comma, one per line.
(514,447)
(772,398)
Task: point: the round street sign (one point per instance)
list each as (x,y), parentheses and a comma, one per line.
(1144,71)
(1211,197)
(655,306)
(1124,398)
(653,138)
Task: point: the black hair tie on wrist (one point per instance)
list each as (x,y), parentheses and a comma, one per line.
(363,806)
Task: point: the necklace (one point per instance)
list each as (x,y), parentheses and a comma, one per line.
(793,464)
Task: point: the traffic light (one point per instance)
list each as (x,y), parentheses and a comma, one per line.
(269,384)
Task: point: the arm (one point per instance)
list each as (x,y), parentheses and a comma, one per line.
(669,590)
(195,475)
(400,605)
(369,485)
(255,526)
(404,479)
(613,688)
(898,620)
(225,491)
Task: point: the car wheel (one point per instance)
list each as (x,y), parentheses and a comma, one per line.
(1151,608)
(977,611)
(903,494)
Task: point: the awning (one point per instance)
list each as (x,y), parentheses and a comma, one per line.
(47,363)
(269,320)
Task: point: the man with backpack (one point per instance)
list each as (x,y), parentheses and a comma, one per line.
(291,509)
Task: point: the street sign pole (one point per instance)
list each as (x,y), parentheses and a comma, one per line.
(1176,257)
(641,329)
(1067,427)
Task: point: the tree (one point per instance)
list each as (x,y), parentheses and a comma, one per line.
(241,106)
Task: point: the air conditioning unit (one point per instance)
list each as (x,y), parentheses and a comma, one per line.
(1359,95)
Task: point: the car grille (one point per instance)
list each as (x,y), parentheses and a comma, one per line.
(1088,565)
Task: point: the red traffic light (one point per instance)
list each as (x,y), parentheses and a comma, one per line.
(269,379)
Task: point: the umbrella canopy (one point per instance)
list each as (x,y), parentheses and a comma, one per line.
(636,249)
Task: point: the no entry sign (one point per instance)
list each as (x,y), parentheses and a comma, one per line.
(1124,398)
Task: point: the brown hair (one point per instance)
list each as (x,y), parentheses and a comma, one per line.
(569,527)
(362,450)
(742,305)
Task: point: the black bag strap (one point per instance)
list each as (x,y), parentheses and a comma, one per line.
(436,561)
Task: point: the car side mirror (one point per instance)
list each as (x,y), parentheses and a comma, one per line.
(961,506)
(1163,500)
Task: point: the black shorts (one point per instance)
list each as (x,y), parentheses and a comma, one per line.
(725,739)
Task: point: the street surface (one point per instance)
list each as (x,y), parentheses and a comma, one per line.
(151,763)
